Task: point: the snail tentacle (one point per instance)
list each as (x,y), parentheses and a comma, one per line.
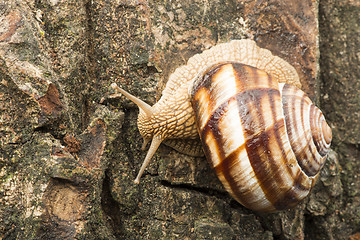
(140,103)
(155,143)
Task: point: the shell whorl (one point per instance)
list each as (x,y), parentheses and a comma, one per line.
(308,132)
(243,126)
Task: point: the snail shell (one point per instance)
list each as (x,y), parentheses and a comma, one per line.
(263,136)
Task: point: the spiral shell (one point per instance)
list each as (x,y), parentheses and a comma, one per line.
(263,136)
(266,141)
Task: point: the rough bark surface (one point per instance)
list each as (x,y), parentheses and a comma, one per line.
(69,154)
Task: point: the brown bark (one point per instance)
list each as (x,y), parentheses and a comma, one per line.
(69,154)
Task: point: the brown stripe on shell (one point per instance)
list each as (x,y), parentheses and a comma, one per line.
(260,148)
(211,146)
(299,132)
(262,138)
(215,87)
(210,133)
(298,190)
(316,160)
(307,157)
(252,78)
(291,197)
(202,110)
(326,132)
(212,126)
(225,169)
(230,163)
(268,166)
(258,141)
(316,130)
(204,80)
(321,140)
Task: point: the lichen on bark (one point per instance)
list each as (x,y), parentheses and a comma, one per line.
(70,153)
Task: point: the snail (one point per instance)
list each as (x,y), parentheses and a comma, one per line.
(263,136)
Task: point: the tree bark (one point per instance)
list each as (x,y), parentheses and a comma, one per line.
(70,153)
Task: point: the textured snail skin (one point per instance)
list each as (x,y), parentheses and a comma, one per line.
(263,136)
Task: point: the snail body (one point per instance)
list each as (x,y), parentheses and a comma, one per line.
(263,136)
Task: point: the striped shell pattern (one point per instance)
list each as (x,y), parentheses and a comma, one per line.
(263,136)
(266,141)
